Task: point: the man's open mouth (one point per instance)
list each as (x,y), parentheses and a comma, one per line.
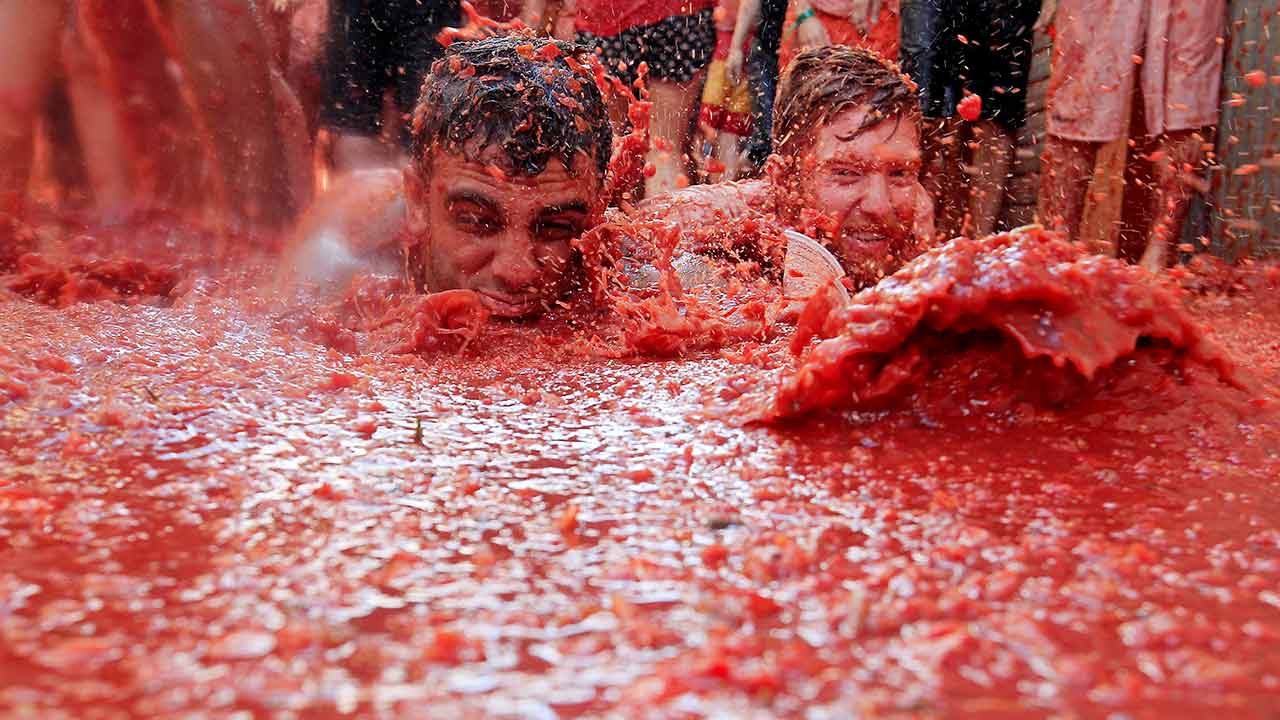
(866,236)
(510,306)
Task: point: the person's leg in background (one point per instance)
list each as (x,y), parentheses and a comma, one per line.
(927,56)
(1091,86)
(1000,35)
(677,51)
(718,152)
(1066,168)
(1179,156)
(227,65)
(28,60)
(992,155)
(98,125)
(1183,77)
(762,74)
(725,118)
(353,85)
(672,104)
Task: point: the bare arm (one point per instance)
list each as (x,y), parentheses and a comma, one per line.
(1047,10)
(534,14)
(353,228)
(703,204)
(746,22)
(810,32)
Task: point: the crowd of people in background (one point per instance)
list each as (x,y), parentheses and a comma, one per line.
(1142,72)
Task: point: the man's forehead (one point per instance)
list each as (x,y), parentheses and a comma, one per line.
(492,166)
(893,139)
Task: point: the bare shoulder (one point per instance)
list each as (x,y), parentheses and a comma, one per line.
(352,227)
(704,203)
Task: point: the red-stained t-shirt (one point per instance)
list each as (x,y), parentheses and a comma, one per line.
(610,17)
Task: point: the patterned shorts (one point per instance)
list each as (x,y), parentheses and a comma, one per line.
(675,48)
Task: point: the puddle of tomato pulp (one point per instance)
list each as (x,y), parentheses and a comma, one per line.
(202,510)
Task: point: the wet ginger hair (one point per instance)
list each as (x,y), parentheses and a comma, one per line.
(534,98)
(822,82)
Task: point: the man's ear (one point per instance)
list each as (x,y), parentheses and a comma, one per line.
(776,170)
(785,183)
(417,227)
(415,199)
(415,186)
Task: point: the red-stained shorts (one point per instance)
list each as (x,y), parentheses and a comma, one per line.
(1174,47)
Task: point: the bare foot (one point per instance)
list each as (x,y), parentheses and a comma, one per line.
(1155,258)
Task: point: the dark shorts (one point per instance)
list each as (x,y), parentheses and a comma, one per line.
(983,46)
(675,48)
(379,45)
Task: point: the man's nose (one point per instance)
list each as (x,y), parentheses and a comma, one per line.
(876,201)
(514,264)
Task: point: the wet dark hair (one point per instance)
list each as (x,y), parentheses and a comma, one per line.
(822,82)
(535,98)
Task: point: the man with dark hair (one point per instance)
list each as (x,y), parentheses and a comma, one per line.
(510,141)
(846,135)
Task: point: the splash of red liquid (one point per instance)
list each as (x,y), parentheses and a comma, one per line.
(1045,297)
(394,319)
(120,279)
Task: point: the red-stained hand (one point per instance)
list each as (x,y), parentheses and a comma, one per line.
(478,27)
(1047,11)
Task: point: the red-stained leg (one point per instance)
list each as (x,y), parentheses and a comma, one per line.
(1178,157)
(1066,168)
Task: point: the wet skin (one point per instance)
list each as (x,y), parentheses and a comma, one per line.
(868,183)
(864,185)
(508,238)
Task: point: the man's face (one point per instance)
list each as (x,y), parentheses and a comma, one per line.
(506,237)
(867,185)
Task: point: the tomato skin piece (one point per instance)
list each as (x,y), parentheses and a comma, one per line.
(970,108)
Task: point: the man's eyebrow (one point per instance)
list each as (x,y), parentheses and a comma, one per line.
(573,206)
(859,161)
(853,134)
(467,196)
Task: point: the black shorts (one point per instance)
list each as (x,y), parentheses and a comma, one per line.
(376,45)
(983,46)
(675,48)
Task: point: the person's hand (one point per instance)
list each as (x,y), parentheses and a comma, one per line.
(922,223)
(733,66)
(1047,10)
(812,33)
(865,13)
(564,26)
(476,27)
(533,14)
